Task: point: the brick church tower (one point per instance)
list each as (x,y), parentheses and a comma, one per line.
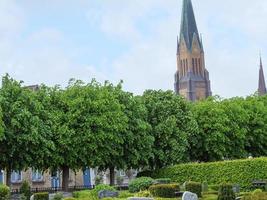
(262,87)
(191,78)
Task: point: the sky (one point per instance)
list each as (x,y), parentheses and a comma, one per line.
(51,41)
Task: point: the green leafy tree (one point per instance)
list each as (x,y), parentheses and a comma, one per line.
(172,124)
(209,143)
(25,133)
(256,138)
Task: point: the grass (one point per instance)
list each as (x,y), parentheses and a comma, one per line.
(88,195)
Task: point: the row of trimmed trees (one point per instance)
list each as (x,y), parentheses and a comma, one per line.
(100,125)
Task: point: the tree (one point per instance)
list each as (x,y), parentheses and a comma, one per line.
(96,113)
(25,133)
(172,123)
(137,140)
(256,137)
(209,143)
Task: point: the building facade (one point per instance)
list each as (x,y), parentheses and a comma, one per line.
(192,77)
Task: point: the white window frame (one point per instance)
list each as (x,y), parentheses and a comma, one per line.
(37,175)
(16,176)
(122,173)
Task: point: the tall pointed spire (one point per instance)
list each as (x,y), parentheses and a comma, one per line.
(191,77)
(188,24)
(262,86)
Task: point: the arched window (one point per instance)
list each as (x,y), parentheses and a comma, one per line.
(193,65)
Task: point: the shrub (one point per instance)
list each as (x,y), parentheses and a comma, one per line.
(25,190)
(163,181)
(164,190)
(139,184)
(4,192)
(226,192)
(41,196)
(100,187)
(125,195)
(194,187)
(241,172)
(144,193)
(58,196)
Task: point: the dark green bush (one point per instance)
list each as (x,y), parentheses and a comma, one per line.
(139,184)
(4,192)
(241,172)
(163,181)
(226,192)
(164,190)
(194,187)
(25,190)
(41,196)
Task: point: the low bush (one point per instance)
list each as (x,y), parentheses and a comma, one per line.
(226,192)
(41,196)
(4,192)
(100,187)
(58,196)
(144,193)
(163,181)
(241,172)
(194,187)
(25,190)
(140,184)
(164,190)
(125,194)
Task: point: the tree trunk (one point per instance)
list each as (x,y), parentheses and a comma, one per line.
(65,178)
(112,175)
(8,177)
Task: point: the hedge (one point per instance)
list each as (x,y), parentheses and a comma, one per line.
(241,172)
(164,190)
(194,187)
(41,196)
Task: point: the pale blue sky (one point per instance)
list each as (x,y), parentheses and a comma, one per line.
(51,41)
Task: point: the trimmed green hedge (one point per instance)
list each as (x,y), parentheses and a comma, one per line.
(41,196)
(194,187)
(241,172)
(164,190)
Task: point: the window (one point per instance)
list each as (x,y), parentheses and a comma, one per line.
(122,173)
(37,176)
(16,176)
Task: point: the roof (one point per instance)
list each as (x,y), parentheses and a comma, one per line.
(188,24)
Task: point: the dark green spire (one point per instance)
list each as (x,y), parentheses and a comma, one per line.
(188,24)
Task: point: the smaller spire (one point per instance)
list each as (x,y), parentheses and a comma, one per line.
(262,86)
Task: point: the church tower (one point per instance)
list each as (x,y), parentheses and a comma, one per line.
(191,78)
(262,87)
